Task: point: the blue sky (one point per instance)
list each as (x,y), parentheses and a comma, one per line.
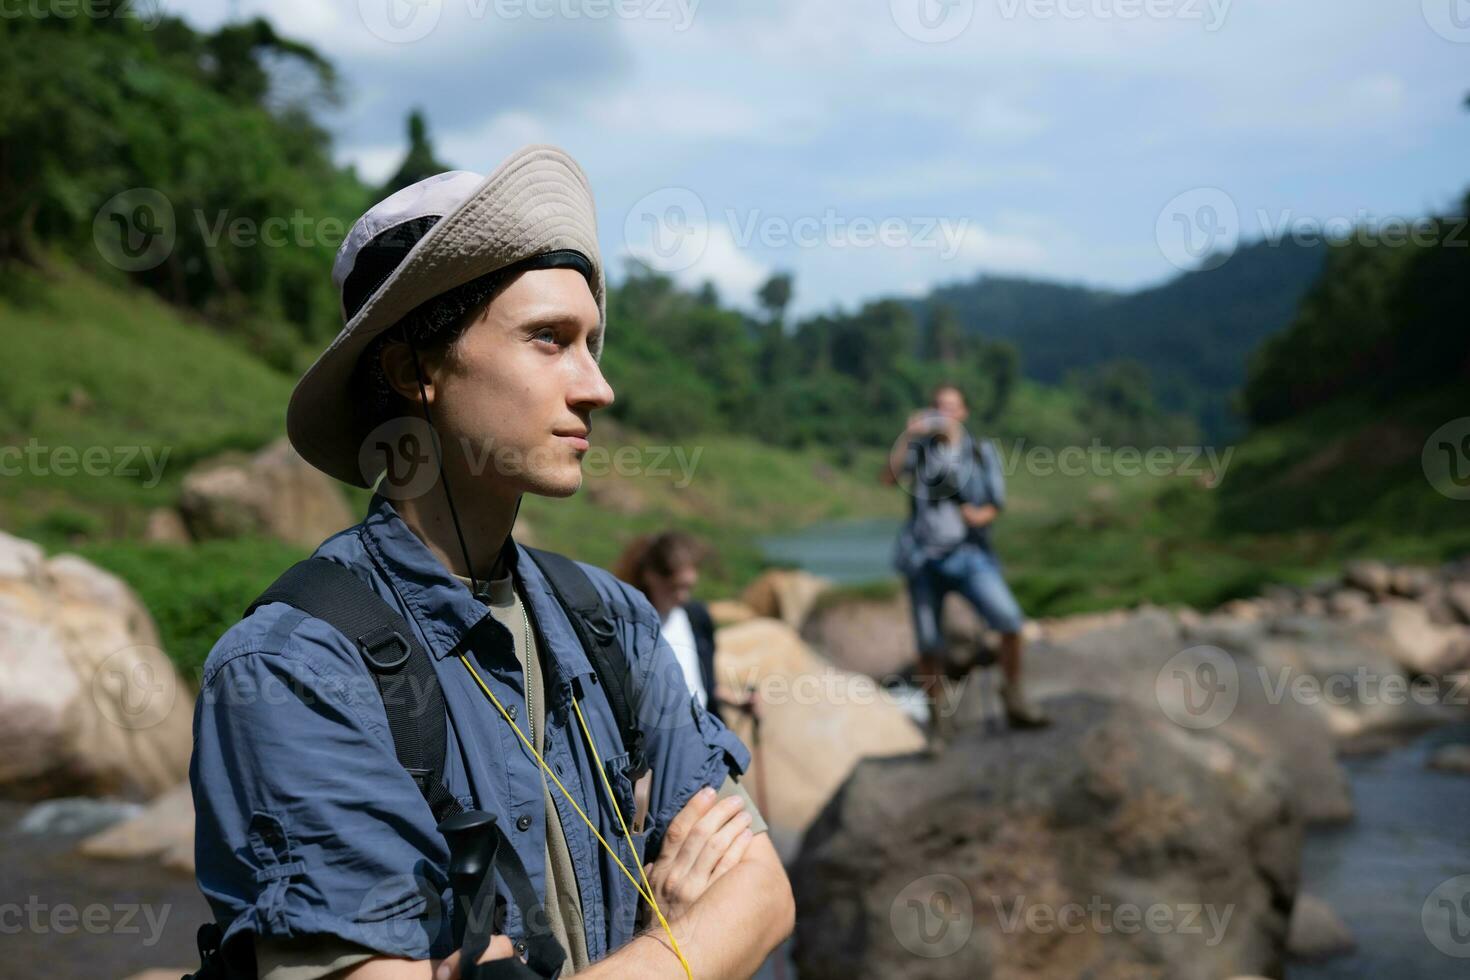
(878,147)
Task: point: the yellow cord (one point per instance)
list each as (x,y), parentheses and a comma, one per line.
(629,837)
(648,893)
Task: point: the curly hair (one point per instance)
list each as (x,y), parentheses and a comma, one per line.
(436,326)
(663,553)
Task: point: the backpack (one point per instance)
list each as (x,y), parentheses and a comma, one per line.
(412,697)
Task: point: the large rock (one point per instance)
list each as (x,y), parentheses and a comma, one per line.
(1350,674)
(866,636)
(1421,647)
(274,493)
(1457,596)
(164,832)
(1373,577)
(89,704)
(785,594)
(1150,658)
(816,722)
(1112,844)
(1451,758)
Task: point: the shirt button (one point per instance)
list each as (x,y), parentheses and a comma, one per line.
(520,947)
(524,823)
(511,710)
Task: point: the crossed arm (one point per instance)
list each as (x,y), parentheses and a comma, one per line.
(722,889)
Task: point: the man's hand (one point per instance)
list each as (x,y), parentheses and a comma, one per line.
(704,841)
(392,968)
(499,949)
(920,423)
(978,516)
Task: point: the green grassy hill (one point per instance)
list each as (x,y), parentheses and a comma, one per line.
(92,366)
(1297,500)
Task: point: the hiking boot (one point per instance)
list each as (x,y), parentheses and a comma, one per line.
(941,727)
(1019,714)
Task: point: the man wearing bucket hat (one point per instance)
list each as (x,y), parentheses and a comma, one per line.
(515,683)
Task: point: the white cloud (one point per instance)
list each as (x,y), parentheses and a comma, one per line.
(735,273)
(1057,137)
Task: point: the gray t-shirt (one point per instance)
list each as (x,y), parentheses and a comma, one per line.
(939,526)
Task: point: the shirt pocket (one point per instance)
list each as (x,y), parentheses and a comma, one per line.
(622,788)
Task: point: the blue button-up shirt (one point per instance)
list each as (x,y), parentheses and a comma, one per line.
(307,824)
(971,473)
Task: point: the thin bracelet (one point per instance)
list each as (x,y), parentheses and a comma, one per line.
(648,934)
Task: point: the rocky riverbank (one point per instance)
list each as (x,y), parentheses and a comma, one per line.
(1153,831)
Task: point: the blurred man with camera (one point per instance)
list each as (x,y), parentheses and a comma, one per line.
(957,492)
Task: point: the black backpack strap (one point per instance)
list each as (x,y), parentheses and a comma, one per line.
(400,665)
(590,618)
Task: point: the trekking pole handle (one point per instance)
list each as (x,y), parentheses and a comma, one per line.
(473,840)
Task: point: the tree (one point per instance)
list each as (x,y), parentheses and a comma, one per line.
(775,296)
(420,162)
(945,336)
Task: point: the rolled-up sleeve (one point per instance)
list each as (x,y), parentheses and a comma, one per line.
(307,825)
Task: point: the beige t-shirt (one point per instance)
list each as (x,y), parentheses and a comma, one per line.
(314,957)
(563,898)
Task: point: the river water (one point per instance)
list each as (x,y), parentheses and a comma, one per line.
(1411,835)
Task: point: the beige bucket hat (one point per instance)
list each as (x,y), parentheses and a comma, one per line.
(419,242)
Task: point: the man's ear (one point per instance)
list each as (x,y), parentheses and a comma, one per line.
(398,368)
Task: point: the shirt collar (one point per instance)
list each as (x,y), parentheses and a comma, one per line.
(444,608)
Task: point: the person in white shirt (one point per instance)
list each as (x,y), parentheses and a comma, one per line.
(665,567)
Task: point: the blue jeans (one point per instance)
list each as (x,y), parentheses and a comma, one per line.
(975,574)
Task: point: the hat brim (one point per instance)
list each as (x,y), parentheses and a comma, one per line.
(536,201)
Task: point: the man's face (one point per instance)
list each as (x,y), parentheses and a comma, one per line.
(515,395)
(951,404)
